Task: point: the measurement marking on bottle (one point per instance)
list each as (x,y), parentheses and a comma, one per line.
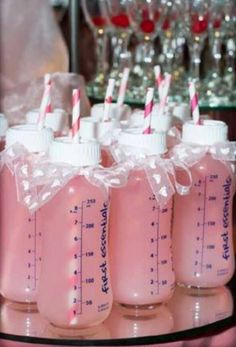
(203,222)
(80,225)
(157,247)
(32,253)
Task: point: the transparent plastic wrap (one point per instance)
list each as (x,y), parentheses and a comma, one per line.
(31,46)
(160,172)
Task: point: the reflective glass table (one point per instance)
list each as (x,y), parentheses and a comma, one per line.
(190,313)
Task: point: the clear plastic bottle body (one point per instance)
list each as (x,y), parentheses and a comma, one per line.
(202,227)
(75,290)
(140,244)
(20,246)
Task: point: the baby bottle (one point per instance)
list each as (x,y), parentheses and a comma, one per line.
(56,120)
(75,290)
(202,226)
(140,229)
(97,130)
(3,129)
(118,112)
(21,238)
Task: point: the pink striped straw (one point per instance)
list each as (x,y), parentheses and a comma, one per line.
(194,103)
(75,115)
(48,81)
(123,86)
(148,111)
(164,96)
(159,80)
(108,99)
(46,101)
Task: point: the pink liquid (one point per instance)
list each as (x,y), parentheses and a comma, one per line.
(140,243)
(121,20)
(199,24)
(20,245)
(107,158)
(99,21)
(2,143)
(202,228)
(75,289)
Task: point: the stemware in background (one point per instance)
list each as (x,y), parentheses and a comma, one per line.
(144,18)
(214,80)
(196,32)
(95,12)
(172,42)
(229,40)
(120,35)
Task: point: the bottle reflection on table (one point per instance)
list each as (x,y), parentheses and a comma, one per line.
(125,322)
(192,307)
(21,319)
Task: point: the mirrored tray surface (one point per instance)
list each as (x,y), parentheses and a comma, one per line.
(190,313)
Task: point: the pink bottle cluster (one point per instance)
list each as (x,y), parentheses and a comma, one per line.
(118,214)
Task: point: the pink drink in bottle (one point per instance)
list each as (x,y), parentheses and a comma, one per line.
(140,233)
(21,238)
(75,290)
(3,129)
(95,130)
(56,120)
(202,227)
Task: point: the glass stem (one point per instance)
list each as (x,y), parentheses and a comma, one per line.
(216,52)
(195,51)
(120,54)
(168,52)
(101,54)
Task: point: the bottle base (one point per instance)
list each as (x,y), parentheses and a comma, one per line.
(140,307)
(73,332)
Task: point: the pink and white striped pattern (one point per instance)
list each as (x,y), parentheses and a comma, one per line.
(108,99)
(164,96)
(148,111)
(159,80)
(48,81)
(45,106)
(194,103)
(75,115)
(123,86)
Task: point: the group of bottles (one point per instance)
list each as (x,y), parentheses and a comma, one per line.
(86,247)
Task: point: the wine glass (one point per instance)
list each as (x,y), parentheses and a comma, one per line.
(95,12)
(197,21)
(121,31)
(229,40)
(145,19)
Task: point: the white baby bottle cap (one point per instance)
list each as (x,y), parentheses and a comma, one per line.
(136,118)
(118,112)
(154,143)
(28,135)
(182,111)
(161,123)
(208,133)
(55,120)
(92,129)
(3,125)
(64,150)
